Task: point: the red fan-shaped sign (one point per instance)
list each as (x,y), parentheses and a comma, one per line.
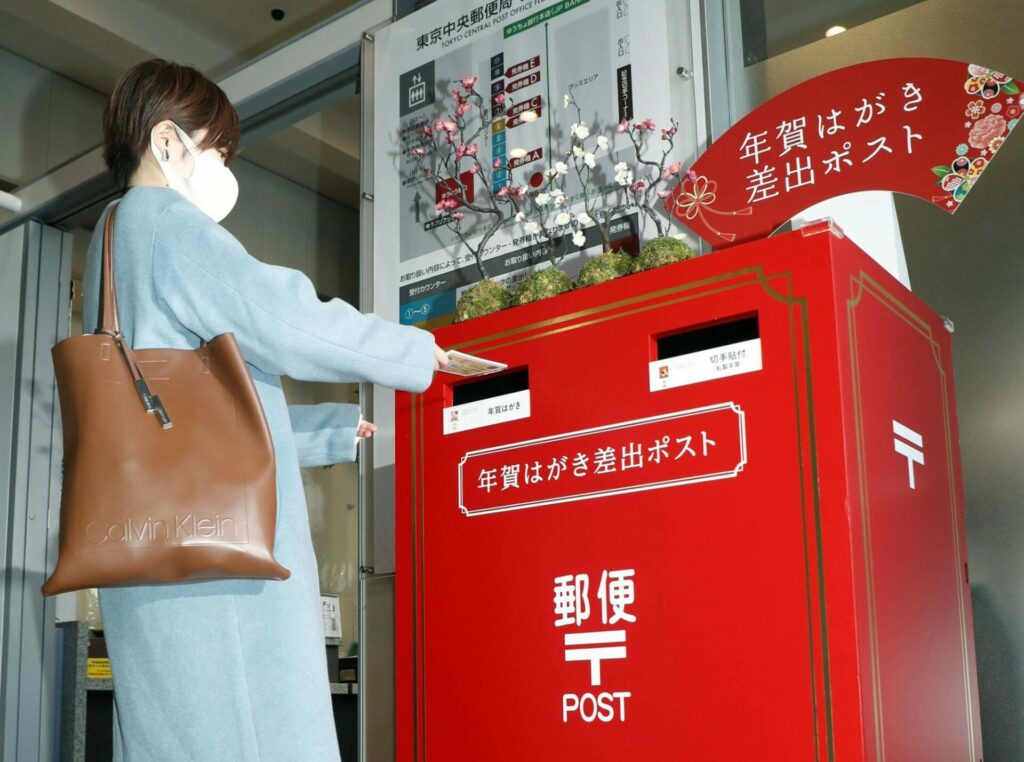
(926,127)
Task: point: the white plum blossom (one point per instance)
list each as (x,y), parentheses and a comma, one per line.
(578,152)
(602,142)
(542,198)
(529,116)
(589,160)
(561,167)
(517,153)
(520,216)
(623,174)
(580,130)
(584,218)
(563,218)
(578,238)
(531,227)
(565,101)
(559,198)
(550,172)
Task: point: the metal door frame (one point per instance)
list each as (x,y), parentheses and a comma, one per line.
(35,306)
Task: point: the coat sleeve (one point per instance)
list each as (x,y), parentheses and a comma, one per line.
(325,434)
(212,285)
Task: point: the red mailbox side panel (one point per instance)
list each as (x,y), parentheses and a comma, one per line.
(906,504)
(625,571)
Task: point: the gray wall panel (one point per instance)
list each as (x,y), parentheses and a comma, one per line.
(31,452)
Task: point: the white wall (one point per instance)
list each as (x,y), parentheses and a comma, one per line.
(286,224)
(45,119)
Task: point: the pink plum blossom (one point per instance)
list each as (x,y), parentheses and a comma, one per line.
(637,187)
(468,82)
(622,128)
(458,216)
(500,98)
(471,149)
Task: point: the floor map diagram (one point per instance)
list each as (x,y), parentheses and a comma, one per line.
(533,52)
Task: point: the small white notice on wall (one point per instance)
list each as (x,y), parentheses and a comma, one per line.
(474,415)
(708,364)
(332,615)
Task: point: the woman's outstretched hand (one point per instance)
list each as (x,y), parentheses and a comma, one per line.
(366,428)
(440,358)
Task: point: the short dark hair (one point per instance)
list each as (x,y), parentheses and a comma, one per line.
(155,90)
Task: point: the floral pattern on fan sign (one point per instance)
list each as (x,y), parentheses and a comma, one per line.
(992,109)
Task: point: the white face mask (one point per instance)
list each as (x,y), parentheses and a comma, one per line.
(211,186)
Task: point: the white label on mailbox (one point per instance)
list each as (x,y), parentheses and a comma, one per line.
(720,362)
(474,415)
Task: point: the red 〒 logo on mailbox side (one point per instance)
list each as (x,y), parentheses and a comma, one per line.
(668,450)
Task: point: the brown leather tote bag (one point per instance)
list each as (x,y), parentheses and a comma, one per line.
(168,462)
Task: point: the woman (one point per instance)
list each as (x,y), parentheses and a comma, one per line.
(228,670)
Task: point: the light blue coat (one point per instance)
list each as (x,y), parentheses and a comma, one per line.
(226,670)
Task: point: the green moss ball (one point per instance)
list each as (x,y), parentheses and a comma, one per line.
(662,251)
(604,267)
(540,285)
(485,297)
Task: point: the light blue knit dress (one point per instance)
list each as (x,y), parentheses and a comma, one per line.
(232,670)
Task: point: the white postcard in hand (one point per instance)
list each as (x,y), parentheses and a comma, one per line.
(461,364)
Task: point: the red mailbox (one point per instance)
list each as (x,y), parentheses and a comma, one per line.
(710,512)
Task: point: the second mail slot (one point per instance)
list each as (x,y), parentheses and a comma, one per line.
(721,349)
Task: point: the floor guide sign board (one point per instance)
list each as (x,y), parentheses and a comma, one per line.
(738,535)
(611,55)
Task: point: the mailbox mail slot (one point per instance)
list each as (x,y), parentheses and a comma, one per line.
(764,561)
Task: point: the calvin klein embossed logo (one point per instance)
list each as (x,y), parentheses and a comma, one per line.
(182,527)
